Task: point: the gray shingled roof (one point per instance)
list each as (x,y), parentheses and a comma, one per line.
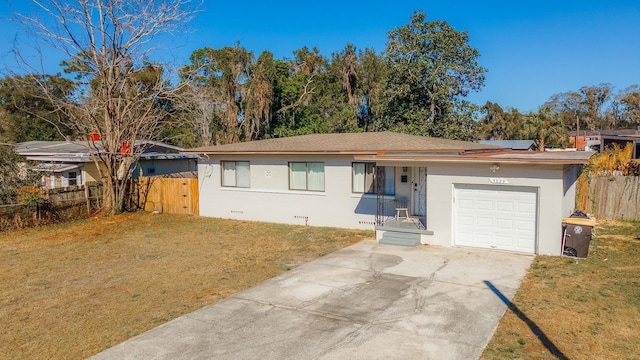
(42,148)
(51,147)
(512,144)
(352,143)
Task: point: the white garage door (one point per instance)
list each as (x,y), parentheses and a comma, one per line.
(495,217)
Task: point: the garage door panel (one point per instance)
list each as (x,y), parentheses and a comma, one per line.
(527,208)
(526,226)
(505,206)
(505,240)
(485,205)
(465,220)
(465,204)
(525,244)
(484,222)
(484,239)
(502,217)
(505,224)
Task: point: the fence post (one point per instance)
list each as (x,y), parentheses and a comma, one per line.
(101,191)
(86,196)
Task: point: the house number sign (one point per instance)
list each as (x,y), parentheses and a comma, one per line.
(498,181)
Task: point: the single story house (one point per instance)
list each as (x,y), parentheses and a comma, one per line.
(69,163)
(410,189)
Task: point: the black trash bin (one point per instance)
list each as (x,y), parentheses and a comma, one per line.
(576,233)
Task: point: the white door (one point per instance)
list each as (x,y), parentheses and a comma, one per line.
(419,191)
(495,217)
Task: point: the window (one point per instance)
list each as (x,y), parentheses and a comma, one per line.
(73,178)
(306,176)
(235,173)
(363,178)
(151,170)
(363,175)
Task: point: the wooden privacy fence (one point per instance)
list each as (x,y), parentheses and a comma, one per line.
(169,195)
(53,206)
(613,197)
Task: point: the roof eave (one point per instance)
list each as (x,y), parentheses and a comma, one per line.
(280,152)
(343,152)
(461,159)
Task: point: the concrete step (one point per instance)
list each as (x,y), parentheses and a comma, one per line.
(400,238)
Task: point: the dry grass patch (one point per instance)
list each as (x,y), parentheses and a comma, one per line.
(584,308)
(72,290)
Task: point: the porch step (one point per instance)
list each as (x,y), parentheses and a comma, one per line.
(400,238)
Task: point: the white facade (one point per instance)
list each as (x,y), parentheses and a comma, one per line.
(548,180)
(268,197)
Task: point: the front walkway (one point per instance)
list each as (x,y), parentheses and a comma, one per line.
(367,301)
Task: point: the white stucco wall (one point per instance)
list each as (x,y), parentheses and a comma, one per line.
(570,176)
(548,180)
(269,198)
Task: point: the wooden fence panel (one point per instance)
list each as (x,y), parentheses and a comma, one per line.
(611,197)
(169,195)
(59,205)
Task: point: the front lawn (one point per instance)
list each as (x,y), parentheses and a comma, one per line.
(572,308)
(72,290)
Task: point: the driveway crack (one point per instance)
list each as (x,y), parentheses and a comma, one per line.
(444,264)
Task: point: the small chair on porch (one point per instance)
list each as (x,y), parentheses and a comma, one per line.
(402,208)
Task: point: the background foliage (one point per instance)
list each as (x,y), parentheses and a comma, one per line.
(418,84)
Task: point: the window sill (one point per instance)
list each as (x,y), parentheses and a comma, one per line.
(266,191)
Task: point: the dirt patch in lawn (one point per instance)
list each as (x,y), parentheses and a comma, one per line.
(569,308)
(72,290)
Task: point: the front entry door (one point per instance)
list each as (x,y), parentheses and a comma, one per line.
(419,191)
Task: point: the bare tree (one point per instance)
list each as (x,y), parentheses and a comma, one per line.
(123,94)
(199,111)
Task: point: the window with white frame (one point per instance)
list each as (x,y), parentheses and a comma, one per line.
(363,178)
(306,176)
(363,175)
(235,174)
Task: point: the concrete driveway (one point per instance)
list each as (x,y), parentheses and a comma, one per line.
(367,301)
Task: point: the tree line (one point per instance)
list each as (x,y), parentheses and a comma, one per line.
(591,108)
(418,85)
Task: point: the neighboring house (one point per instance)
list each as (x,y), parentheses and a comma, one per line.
(69,163)
(622,141)
(454,192)
(517,145)
(586,140)
(601,140)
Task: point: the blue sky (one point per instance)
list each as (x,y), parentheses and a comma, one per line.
(533,49)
